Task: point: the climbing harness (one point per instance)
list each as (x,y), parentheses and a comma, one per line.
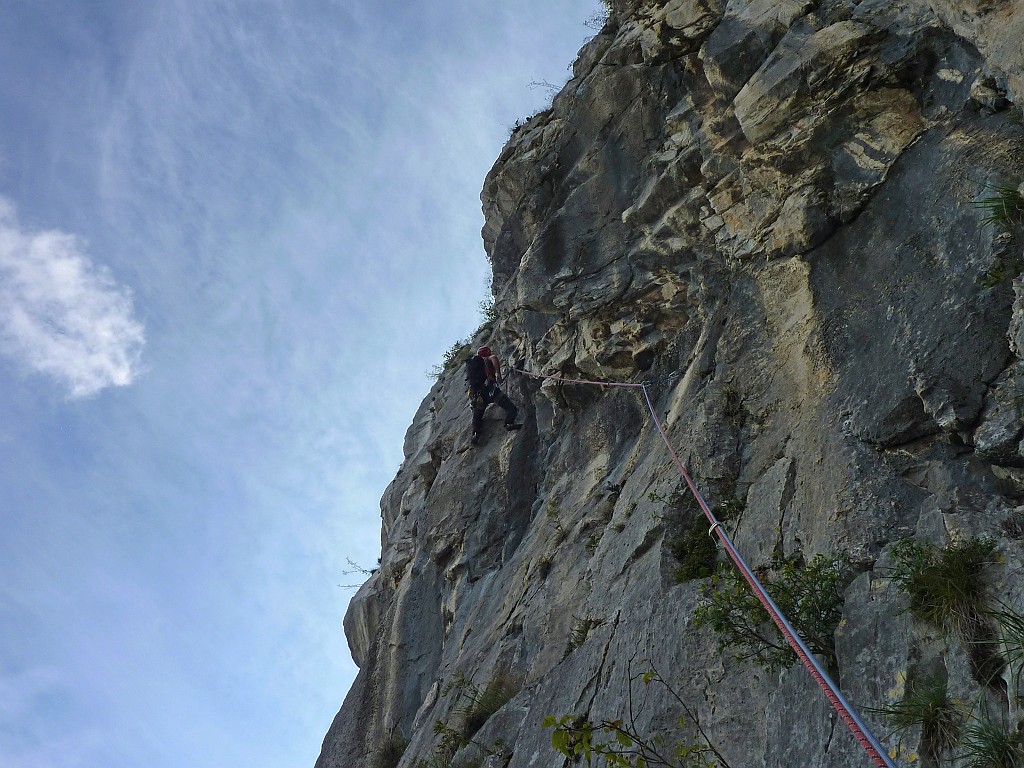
(846,712)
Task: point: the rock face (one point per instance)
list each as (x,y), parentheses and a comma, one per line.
(763,207)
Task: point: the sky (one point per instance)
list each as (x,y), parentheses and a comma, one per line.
(235,235)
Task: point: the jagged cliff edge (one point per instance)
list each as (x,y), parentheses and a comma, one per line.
(766,208)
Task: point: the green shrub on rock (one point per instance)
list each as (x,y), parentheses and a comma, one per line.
(696,553)
(810,596)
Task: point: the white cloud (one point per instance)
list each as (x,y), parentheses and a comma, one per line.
(62,316)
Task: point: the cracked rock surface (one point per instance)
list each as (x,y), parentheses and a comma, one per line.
(765,208)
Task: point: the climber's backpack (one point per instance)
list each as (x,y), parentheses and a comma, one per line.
(476,373)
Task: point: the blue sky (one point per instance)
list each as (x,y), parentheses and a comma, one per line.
(234,236)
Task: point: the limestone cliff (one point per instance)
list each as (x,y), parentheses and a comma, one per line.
(766,208)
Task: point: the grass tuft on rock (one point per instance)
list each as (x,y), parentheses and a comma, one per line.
(987,744)
(581,630)
(946,586)
(929,706)
(391,751)
(483,702)
(1004,205)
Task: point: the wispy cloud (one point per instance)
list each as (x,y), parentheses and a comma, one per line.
(61,315)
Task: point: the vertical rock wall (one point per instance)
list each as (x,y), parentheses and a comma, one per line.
(764,207)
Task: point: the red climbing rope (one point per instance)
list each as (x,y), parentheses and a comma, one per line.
(846,712)
(581,381)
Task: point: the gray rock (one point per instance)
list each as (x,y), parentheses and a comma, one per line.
(745,37)
(828,62)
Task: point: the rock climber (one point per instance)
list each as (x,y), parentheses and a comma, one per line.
(483,375)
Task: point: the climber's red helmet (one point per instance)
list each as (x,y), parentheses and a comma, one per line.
(483,352)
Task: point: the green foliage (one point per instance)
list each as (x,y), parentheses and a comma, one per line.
(1004,205)
(488,312)
(458,353)
(558,533)
(481,703)
(948,591)
(929,706)
(657,498)
(462,349)
(988,745)
(475,707)
(391,751)
(730,508)
(946,586)
(995,276)
(696,553)
(681,499)
(1011,635)
(581,629)
(450,743)
(697,550)
(614,743)
(809,596)
(544,566)
(618,743)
